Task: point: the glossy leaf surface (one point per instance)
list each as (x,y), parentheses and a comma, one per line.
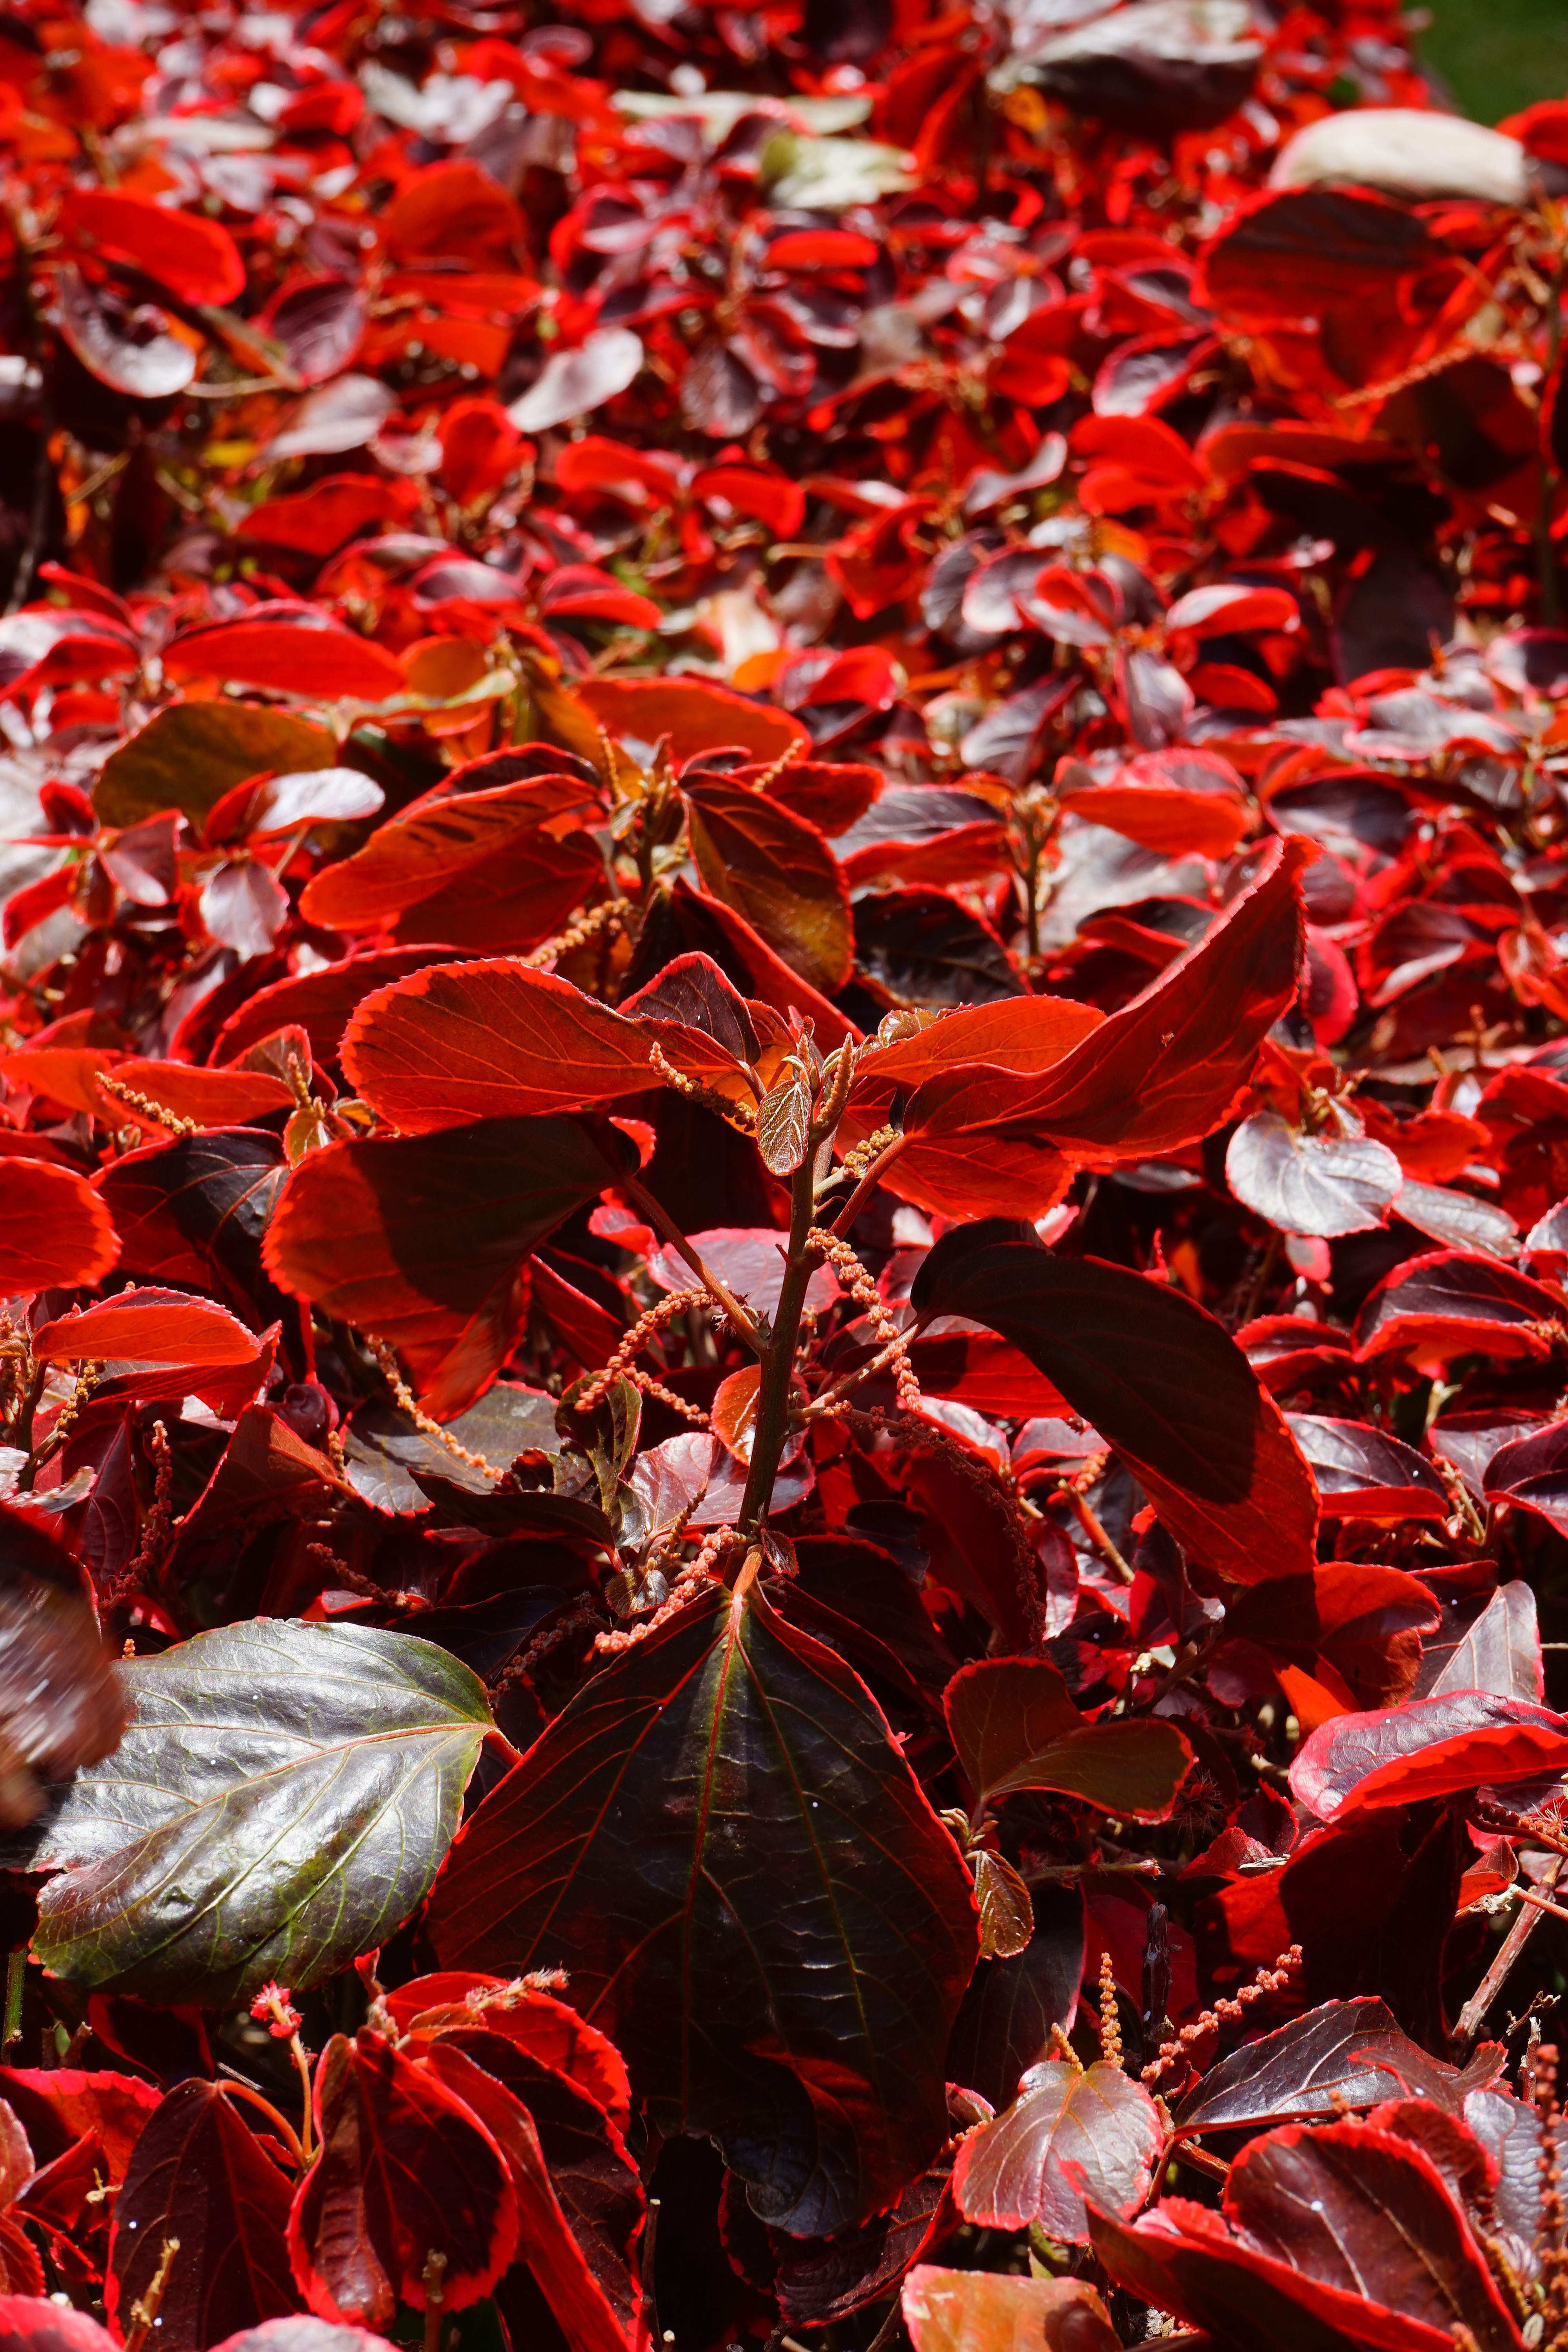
(729,1716)
(302,1751)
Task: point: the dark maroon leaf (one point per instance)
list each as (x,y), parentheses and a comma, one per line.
(1162,1382)
(1367,2213)
(199,2173)
(1362,1474)
(1450,1304)
(679,1978)
(1346,2051)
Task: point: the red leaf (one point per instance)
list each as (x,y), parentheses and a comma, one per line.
(422,1240)
(550,2032)
(57,2105)
(454,211)
(1430,1748)
(55,1231)
(197,259)
(1165,1068)
(320,661)
(405,2170)
(490,1041)
(199,2174)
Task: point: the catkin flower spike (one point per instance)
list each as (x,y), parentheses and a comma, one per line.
(1110,2023)
(610,915)
(1182,2049)
(862,1289)
(738,1114)
(423,1421)
(621,1366)
(169,1119)
(700,1572)
(1060,2047)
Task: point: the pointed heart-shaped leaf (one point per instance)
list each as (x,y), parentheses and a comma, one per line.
(283,1796)
(689,1836)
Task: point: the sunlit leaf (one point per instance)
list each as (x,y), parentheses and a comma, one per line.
(282,1798)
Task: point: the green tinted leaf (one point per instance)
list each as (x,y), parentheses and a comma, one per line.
(194,753)
(719,1838)
(783,1121)
(281,1802)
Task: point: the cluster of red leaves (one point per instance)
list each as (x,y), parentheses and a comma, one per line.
(784,1178)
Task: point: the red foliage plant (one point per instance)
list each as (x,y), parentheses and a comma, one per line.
(784,1180)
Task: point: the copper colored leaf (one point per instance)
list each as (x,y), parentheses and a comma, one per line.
(1015,1727)
(779,872)
(486,1041)
(282,1798)
(405,2170)
(422,1240)
(712,1867)
(419,853)
(981,2311)
(190,753)
(1073,2135)
(693,715)
(198,2173)
(1160,1381)
(54,1231)
(1006,1916)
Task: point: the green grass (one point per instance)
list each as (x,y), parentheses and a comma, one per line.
(1497,55)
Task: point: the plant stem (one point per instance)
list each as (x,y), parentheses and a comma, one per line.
(647,2306)
(16,1979)
(1546,554)
(742,1320)
(778,1361)
(1473,2014)
(281,2124)
(302,2067)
